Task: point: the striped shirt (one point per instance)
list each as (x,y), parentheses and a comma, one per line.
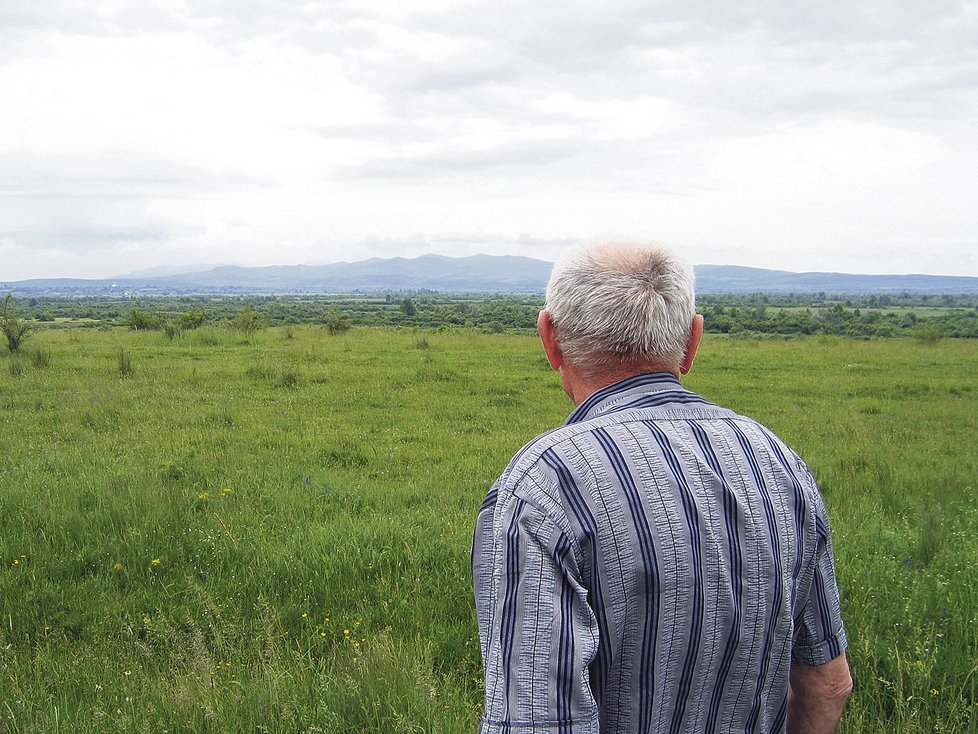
(653,565)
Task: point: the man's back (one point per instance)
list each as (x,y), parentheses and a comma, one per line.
(652,566)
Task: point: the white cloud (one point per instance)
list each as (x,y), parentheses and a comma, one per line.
(798,137)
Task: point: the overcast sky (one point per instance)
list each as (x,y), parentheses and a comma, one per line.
(800,136)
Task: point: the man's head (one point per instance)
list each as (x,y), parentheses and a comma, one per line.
(619,309)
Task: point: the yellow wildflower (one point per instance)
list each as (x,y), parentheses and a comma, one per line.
(117,566)
(155,562)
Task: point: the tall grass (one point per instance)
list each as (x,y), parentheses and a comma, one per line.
(272,534)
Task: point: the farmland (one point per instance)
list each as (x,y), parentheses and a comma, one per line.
(222,531)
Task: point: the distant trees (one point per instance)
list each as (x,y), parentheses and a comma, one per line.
(852,315)
(171,324)
(15,330)
(140,320)
(928,333)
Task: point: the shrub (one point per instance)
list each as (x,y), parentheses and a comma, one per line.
(140,320)
(192,319)
(336,323)
(928,333)
(40,359)
(14,329)
(125,363)
(171,328)
(248,321)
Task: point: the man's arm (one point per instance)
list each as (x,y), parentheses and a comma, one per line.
(538,637)
(816,696)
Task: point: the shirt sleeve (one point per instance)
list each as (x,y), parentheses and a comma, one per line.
(537,632)
(819,634)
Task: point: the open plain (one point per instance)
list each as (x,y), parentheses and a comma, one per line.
(219,532)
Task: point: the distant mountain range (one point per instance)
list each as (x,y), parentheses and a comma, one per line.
(738,279)
(477,273)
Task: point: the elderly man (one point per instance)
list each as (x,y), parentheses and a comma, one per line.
(658,563)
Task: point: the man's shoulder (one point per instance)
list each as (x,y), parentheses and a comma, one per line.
(533,452)
(565,439)
(562,437)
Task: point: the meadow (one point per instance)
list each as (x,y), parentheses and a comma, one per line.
(214,532)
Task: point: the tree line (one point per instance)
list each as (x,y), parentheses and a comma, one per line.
(926,316)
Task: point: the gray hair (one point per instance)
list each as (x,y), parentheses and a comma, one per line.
(617,304)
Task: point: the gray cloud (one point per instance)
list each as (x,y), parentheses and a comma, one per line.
(85,238)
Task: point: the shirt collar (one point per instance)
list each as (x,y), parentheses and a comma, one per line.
(606,397)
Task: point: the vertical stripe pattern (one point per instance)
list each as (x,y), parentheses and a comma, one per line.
(654,565)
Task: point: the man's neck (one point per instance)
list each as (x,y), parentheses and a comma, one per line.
(580,387)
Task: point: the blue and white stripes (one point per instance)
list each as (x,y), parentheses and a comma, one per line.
(652,566)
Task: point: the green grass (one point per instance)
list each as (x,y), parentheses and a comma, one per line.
(271,533)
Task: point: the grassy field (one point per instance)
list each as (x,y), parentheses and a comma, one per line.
(214,533)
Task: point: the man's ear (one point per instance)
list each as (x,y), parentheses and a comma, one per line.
(695,334)
(548,335)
